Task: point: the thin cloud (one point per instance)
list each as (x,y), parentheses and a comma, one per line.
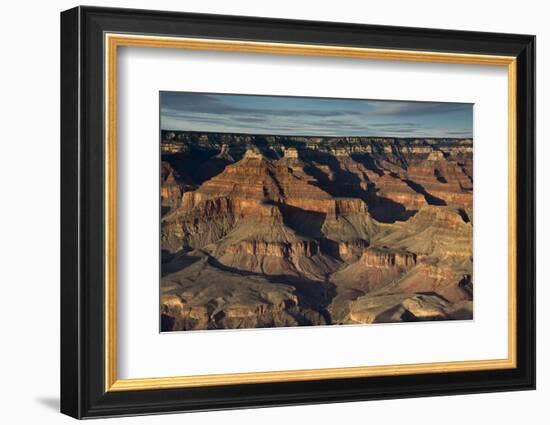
(313,116)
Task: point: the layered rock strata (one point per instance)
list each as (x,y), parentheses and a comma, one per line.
(261,231)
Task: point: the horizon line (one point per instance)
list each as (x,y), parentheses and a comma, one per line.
(313,135)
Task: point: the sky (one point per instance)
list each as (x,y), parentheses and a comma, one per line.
(311,116)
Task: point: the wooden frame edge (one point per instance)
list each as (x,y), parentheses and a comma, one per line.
(114,40)
(306,375)
(512,212)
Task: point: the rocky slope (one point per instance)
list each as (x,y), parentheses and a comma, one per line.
(261,231)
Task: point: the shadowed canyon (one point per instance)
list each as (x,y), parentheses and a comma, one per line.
(271,231)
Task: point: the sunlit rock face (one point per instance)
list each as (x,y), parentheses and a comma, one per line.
(263,231)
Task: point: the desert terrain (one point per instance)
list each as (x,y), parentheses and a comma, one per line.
(271,231)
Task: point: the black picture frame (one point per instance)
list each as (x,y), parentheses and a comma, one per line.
(83,392)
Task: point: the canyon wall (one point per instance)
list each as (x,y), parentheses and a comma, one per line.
(261,231)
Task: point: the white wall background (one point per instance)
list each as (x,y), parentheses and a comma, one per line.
(29,212)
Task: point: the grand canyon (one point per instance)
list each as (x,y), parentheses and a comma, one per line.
(278,230)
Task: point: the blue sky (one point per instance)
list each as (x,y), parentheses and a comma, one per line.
(227,113)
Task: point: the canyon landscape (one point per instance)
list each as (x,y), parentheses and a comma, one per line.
(273,230)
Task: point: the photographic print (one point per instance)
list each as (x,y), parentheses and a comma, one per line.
(316,227)
(281,211)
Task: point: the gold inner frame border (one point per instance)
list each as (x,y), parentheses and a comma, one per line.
(111,43)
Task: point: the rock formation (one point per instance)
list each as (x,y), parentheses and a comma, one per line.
(260,231)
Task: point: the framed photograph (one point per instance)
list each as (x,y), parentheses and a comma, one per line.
(261,212)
